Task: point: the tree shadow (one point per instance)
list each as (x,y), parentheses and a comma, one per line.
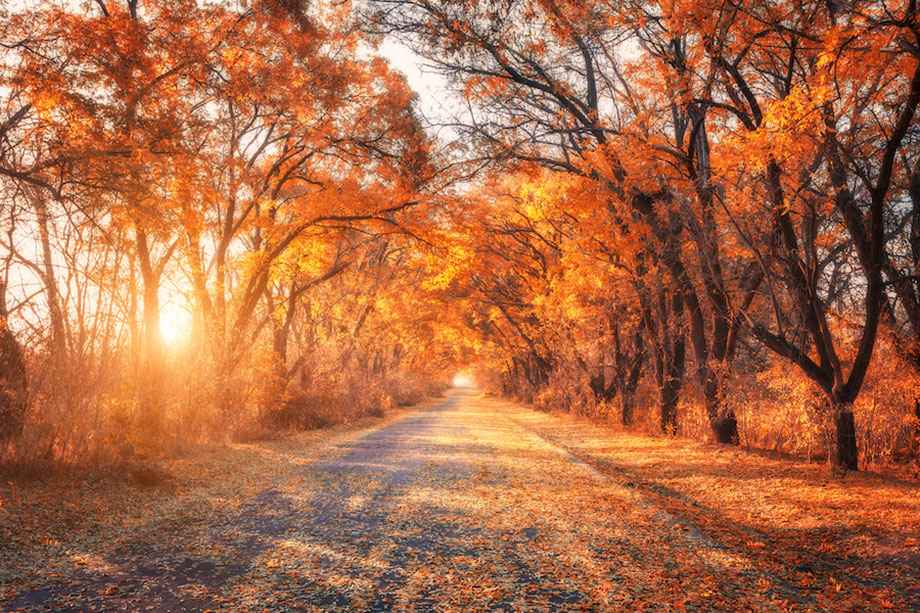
(804,560)
(147,571)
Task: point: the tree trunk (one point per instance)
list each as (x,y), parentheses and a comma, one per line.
(133,325)
(627,402)
(725,429)
(675,356)
(55,313)
(722,420)
(14,400)
(845,454)
(670,392)
(151,384)
(723,423)
(279,352)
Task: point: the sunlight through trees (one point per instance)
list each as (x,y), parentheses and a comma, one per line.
(575,304)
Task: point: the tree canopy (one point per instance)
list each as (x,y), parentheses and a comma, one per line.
(700,217)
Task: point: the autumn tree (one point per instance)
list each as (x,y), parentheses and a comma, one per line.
(713,131)
(794,84)
(549,88)
(231,159)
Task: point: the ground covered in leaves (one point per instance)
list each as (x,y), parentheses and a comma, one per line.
(469,503)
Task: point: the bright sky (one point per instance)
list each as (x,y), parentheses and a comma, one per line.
(435,101)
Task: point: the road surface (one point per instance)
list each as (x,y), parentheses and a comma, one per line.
(455,507)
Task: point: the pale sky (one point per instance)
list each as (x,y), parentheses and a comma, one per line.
(435,102)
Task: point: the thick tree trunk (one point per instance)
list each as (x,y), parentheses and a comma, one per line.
(670,392)
(725,429)
(845,454)
(629,380)
(627,404)
(723,422)
(669,357)
(675,355)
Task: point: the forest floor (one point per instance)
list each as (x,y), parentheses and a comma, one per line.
(466,503)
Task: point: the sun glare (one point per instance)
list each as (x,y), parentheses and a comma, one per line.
(175,324)
(462,379)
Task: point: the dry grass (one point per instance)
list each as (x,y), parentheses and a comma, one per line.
(75,431)
(778,410)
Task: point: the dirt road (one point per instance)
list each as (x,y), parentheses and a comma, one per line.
(458,507)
